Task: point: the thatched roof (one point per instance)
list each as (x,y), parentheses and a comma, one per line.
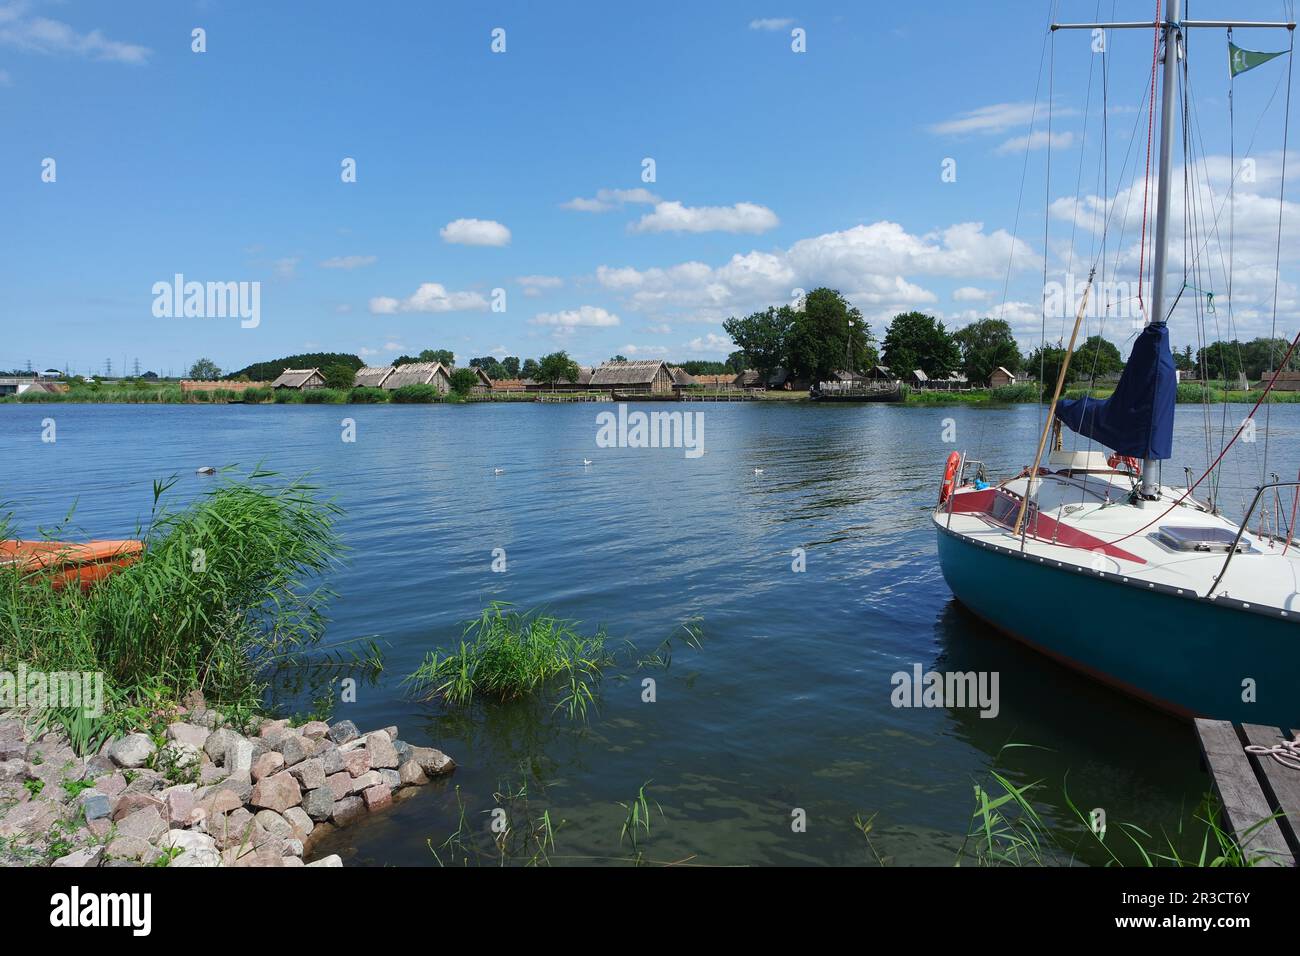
(750,378)
(372,376)
(682,377)
(626,373)
(919,376)
(295,377)
(416,373)
(714,380)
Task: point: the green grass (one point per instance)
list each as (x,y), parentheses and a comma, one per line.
(364,395)
(505,655)
(226,592)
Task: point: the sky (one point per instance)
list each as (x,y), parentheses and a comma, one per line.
(503,203)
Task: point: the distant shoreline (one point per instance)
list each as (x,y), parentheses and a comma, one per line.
(1189,393)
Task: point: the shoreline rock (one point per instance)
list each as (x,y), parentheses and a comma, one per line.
(211,796)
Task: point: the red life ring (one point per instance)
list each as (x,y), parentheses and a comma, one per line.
(1132,464)
(949,476)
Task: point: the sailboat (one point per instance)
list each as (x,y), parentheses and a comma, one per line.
(1087,558)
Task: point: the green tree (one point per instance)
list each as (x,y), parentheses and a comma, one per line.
(1098,355)
(556,367)
(445,356)
(985,344)
(490,366)
(510,365)
(529,369)
(338,376)
(1050,358)
(463,381)
(205,370)
(619,358)
(1220,360)
(828,335)
(915,340)
(762,337)
(736,361)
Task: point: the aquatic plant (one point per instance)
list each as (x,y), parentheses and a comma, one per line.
(365,395)
(505,655)
(417,393)
(223,595)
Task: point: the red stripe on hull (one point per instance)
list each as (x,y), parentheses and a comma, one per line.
(999,508)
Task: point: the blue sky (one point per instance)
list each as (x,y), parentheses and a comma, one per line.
(775,170)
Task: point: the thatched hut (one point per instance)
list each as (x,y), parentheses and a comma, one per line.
(300,378)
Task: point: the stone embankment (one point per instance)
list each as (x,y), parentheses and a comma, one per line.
(209,796)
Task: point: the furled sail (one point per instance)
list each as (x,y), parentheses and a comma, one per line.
(1138,419)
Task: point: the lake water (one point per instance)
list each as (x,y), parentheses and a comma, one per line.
(787,704)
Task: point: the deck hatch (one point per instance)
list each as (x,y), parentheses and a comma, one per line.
(1199,539)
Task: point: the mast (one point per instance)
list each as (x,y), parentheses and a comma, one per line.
(1173,42)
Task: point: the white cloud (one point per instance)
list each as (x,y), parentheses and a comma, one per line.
(430,297)
(607,199)
(343,308)
(712,343)
(1036,140)
(874,265)
(533,286)
(770,23)
(53,37)
(646,351)
(586,316)
(287,267)
(996,118)
(968,293)
(349,262)
(475,232)
(675,217)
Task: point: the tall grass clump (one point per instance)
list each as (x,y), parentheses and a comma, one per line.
(365,395)
(225,592)
(417,393)
(1191,392)
(324,396)
(505,655)
(1024,392)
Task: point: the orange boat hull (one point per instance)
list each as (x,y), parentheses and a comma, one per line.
(67,562)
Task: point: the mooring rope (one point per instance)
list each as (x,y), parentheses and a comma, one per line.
(1287,753)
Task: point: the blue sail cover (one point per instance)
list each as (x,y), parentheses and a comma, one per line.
(1138,419)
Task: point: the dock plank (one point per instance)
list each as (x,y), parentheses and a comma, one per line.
(1244,803)
(1281,784)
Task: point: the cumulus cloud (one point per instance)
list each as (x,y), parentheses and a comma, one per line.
(54,37)
(875,265)
(535,285)
(584,316)
(711,343)
(349,262)
(607,199)
(430,297)
(475,232)
(969,293)
(645,351)
(770,23)
(676,217)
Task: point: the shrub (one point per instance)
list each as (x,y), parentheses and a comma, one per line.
(416,393)
(324,396)
(364,395)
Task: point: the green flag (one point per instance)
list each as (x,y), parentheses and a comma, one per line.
(1239,60)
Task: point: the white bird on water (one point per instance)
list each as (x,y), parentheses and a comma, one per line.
(758,471)
(586,461)
(498,471)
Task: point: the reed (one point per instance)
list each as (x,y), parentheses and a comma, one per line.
(225,593)
(505,655)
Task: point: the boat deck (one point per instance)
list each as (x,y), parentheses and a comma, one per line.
(1087,522)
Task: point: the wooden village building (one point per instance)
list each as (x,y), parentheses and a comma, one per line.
(299,378)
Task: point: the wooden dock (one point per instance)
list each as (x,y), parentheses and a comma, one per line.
(1260,794)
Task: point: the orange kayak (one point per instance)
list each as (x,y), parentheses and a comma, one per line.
(68,561)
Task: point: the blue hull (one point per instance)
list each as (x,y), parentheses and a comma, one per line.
(1184,655)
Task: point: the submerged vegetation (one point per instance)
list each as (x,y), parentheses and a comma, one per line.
(225,593)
